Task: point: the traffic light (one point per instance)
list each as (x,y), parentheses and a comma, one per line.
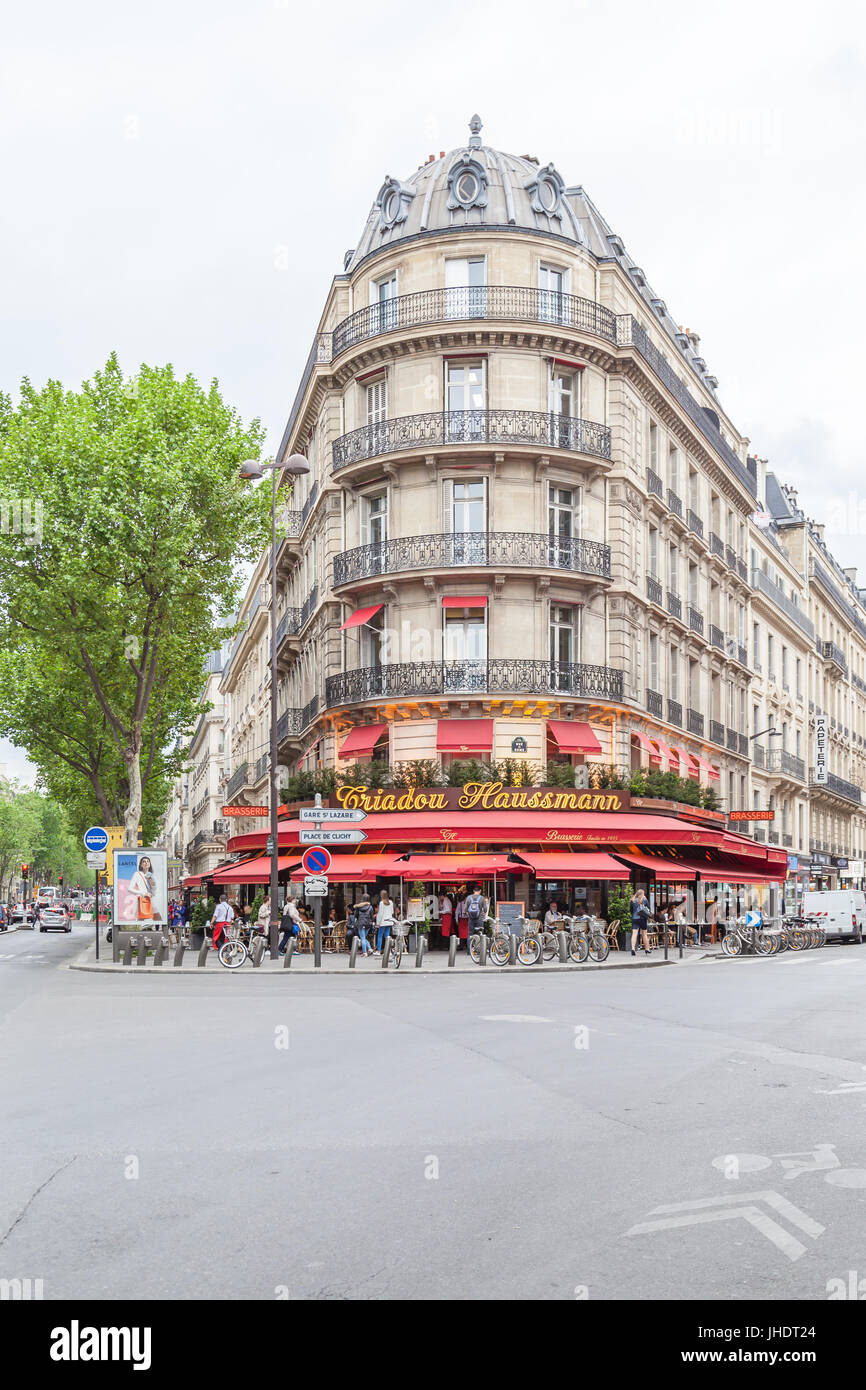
(60,881)
(25,869)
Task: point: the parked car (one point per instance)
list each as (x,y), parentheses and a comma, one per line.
(54,917)
(20,913)
(4,917)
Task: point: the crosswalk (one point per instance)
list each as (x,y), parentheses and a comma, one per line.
(22,955)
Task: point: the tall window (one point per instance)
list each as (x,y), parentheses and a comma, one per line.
(374,530)
(694,692)
(465,648)
(371,650)
(694,592)
(674,469)
(561,525)
(674,674)
(465,398)
(563,404)
(694,492)
(673,569)
(771,670)
(383,310)
(653,662)
(653,553)
(654,446)
(469,521)
(784,668)
(465,288)
(553,305)
(377,401)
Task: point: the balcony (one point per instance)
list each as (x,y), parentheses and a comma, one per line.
(730,557)
(787,764)
(759,755)
(675,606)
(514,303)
(696,620)
(831,652)
(289,625)
(308,607)
(787,840)
(717,637)
(837,786)
(654,589)
(764,585)
(744,745)
(504,549)
(309,712)
(695,523)
(654,483)
(237,780)
(450,428)
(733,743)
(654,702)
(288,724)
(261,767)
(717,732)
(695,723)
(675,504)
(675,713)
(493,676)
(742,570)
(717,545)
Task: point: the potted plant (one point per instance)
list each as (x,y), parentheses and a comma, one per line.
(201,913)
(619,912)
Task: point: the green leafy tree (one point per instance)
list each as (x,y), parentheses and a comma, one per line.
(125,576)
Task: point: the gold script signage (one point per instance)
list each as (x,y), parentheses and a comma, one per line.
(480,796)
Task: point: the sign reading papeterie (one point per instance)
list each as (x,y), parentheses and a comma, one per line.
(752,815)
(822,748)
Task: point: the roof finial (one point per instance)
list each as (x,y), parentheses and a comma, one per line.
(475,137)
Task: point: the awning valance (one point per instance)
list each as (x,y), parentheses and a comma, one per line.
(572,736)
(362,616)
(464,736)
(665,870)
(707,766)
(455,868)
(574,866)
(464,601)
(255,870)
(355,868)
(362,740)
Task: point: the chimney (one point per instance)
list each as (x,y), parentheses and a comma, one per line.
(851,575)
(819,531)
(761,480)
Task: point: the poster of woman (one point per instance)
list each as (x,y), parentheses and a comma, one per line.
(140,887)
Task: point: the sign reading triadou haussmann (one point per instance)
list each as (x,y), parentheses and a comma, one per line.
(480,796)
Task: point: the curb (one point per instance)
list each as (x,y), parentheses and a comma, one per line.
(376,973)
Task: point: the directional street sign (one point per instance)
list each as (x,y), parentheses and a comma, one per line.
(332,814)
(316,861)
(330,837)
(96,838)
(315,886)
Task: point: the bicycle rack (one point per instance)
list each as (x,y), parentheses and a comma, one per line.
(419,950)
(203,952)
(258,951)
(178,955)
(161,951)
(353,951)
(482,949)
(386,953)
(562,943)
(287,958)
(513,943)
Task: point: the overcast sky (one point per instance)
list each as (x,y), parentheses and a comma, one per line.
(181,181)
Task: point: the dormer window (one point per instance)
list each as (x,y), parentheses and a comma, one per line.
(467,185)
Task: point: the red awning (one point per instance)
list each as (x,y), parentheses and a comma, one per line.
(362,615)
(453,868)
(647,745)
(576,866)
(665,751)
(664,869)
(683,761)
(707,767)
(464,735)
(194,881)
(362,740)
(255,870)
(712,871)
(573,737)
(465,601)
(355,868)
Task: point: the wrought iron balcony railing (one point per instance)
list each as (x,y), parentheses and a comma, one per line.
(742,570)
(289,625)
(261,767)
(654,702)
(495,675)
(744,745)
(515,302)
(654,589)
(309,504)
(654,483)
(732,741)
(237,780)
(759,754)
(831,652)
(695,523)
(717,637)
(675,713)
(788,764)
(288,723)
(674,503)
(308,607)
(764,585)
(675,605)
(695,723)
(717,545)
(309,712)
(521,549)
(787,840)
(717,732)
(730,557)
(837,786)
(696,620)
(448,428)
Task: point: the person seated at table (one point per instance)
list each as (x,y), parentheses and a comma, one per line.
(553,916)
(329,927)
(685,928)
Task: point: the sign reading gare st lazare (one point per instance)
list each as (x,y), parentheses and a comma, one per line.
(480,796)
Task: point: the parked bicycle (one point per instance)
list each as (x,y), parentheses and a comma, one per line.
(399,928)
(499,943)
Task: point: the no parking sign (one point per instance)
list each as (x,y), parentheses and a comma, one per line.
(316,860)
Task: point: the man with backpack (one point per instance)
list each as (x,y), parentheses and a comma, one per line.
(476,916)
(364,923)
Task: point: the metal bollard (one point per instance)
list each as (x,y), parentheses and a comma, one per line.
(419,950)
(127,951)
(512,950)
(287,958)
(482,949)
(203,952)
(142,954)
(178,955)
(161,951)
(258,951)
(562,943)
(386,953)
(452,950)
(353,951)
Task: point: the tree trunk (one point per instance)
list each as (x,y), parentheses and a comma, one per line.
(132,815)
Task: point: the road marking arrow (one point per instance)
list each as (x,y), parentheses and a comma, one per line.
(741,1204)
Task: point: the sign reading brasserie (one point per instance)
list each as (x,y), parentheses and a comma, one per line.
(481,796)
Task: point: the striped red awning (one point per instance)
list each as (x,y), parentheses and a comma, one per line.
(707,766)
(647,745)
(572,736)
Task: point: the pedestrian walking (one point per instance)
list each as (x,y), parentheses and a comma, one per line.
(290,924)
(263,921)
(223,913)
(476,916)
(364,923)
(384,919)
(639,917)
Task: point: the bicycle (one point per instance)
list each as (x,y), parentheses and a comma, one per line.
(587,939)
(236,947)
(398,940)
(499,951)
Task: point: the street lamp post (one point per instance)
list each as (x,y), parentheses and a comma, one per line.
(295,466)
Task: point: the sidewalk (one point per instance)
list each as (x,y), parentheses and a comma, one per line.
(433,963)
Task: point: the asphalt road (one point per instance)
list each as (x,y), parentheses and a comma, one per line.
(688,1132)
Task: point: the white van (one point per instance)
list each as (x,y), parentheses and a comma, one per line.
(841,912)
